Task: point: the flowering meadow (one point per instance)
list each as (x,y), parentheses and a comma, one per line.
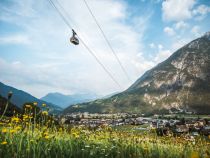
(36,134)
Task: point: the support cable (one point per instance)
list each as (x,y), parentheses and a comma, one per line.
(107,41)
(86,46)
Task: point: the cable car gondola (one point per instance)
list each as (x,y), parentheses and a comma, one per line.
(74,39)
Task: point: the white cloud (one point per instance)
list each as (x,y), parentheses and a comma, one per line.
(160,46)
(196,31)
(201,11)
(152,45)
(181,25)
(15,39)
(177,10)
(179,43)
(162,55)
(169,31)
(152,1)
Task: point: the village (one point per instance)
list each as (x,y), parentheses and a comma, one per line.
(164,126)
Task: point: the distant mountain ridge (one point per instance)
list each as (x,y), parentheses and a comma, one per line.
(66,100)
(20,97)
(182,82)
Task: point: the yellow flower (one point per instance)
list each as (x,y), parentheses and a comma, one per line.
(46,137)
(35,103)
(25,117)
(28,106)
(44,112)
(76,135)
(15,119)
(4,143)
(45,133)
(12,131)
(43,105)
(4,130)
(17,128)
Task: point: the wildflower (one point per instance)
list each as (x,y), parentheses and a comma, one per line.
(35,103)
(43,104)
(12,131)
(76,135)
(17,128)
(4,143)
(46,137)
(4,130)
(28,106)
(25,117)
(45,133)
(15,119)
(44,112)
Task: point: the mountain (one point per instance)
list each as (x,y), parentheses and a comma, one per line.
(66,100)
(180,83)
(20,97)
(109,95)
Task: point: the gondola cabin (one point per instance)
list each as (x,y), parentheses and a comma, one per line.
(74,39)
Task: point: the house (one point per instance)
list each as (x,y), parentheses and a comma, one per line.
(205,131)
(181,129)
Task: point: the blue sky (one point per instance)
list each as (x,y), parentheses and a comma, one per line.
(36,56)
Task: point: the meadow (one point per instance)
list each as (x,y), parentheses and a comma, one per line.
(35,134)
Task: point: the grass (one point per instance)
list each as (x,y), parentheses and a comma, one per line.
(37,136)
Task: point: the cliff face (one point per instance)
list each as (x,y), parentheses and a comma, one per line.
(182,83)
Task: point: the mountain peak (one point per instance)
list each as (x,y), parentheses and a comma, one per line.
(64,100)
(207,35)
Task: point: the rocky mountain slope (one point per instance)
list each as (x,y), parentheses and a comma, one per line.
(180,83)
(20,97)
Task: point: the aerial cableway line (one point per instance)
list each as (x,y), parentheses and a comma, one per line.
(107,41)
(85,45)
